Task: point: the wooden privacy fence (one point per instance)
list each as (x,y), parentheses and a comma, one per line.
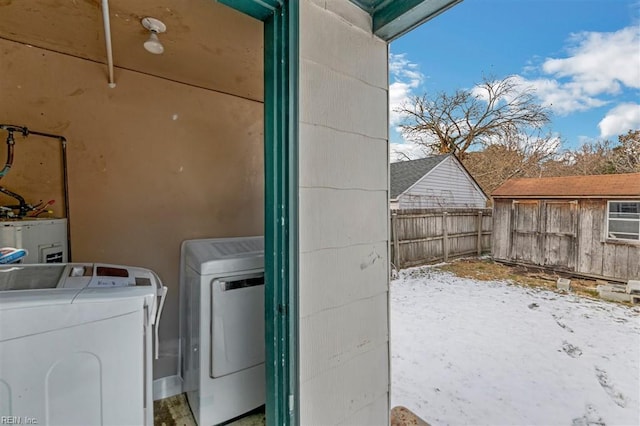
(423,236)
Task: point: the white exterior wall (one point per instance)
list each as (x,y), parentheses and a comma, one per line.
(446,186)
(344,334)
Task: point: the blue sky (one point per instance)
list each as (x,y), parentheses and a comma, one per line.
(581,56)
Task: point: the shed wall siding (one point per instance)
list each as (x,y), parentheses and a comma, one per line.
(344,335)
(599,255)
(591,236)
(447,185)
(501,231)
(590,252)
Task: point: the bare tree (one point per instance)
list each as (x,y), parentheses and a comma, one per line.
(591,158)
(626,156)
(515,157)
(599,157)
(494,111)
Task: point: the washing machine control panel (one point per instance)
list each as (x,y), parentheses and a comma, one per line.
(104,276)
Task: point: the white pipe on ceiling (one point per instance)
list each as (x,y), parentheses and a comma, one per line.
(107,39)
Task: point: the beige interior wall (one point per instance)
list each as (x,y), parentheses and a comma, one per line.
(152,162)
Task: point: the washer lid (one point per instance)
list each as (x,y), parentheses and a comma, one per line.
(224,255)
(30,277)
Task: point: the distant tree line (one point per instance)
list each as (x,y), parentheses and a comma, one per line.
(497,130)
(496,163)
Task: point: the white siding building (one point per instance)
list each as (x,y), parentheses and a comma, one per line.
(440,182)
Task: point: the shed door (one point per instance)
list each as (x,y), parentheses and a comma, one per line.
(525,244)
(559,233)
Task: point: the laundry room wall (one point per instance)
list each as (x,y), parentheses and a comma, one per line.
(151,162)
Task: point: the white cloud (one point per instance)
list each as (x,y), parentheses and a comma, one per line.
(406,150)
(601,62)
(562,98)
(598,65)
(620,119)
(406,79)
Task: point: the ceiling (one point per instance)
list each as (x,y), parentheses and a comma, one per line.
(207,44)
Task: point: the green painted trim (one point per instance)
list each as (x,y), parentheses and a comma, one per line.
(281,213)
(396,18)
(259,9)
(281,60)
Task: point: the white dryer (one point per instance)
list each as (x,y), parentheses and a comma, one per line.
(76,343)
(222,327)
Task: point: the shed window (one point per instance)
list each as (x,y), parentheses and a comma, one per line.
(623,221)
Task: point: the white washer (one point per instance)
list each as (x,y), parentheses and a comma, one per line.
(222,327)
(76,343)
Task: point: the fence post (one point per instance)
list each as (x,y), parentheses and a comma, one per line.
(445,239)
(396,246)
(479,246)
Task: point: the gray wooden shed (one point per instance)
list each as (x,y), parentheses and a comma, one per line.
(586,224)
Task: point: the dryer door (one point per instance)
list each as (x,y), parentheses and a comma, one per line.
(237,323)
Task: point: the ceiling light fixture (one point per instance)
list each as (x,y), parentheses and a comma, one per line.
(156,27)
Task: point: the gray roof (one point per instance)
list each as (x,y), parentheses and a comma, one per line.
(404,174)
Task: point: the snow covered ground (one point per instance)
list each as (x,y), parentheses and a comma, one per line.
(468,352)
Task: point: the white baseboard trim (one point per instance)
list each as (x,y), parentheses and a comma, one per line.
(165,387)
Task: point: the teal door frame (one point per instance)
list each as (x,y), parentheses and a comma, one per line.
(281,60)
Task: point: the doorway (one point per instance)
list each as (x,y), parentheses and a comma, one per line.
(281,203)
